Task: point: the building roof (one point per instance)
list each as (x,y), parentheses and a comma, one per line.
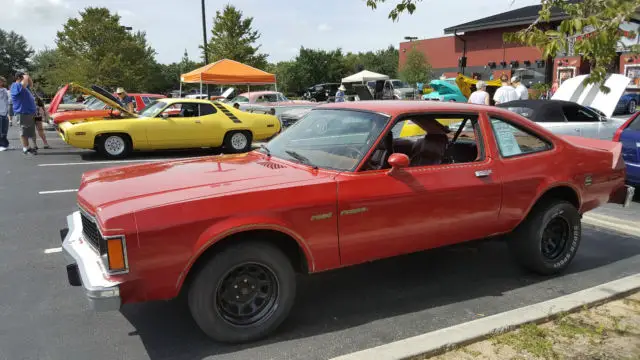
(522,16)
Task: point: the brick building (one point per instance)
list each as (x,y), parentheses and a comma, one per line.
(481,43)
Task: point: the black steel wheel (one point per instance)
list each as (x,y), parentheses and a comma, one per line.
(243,292)
(555,238)
(247,294)
(548,239)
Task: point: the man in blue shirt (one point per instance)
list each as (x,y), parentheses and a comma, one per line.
(340,94)
(125,99)
(24,110)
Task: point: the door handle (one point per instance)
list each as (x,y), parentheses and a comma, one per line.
(483,173)
(578,130)
(198,121)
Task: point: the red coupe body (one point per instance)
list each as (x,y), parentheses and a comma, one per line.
(175,214)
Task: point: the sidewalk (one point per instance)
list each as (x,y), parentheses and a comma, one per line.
(609,331)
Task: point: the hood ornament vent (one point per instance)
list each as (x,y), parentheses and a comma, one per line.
(271,165)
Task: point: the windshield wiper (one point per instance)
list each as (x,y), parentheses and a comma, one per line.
(302,159)
(266,149)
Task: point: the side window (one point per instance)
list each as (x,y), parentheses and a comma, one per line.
(575,113)
(189,110)
(635,124)
(146,100)
(207,109)
(513,141)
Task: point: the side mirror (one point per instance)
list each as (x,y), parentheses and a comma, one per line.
(398,161)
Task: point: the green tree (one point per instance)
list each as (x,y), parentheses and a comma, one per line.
(416,68)
(593,26)
(14,53)
(96,49)
(44,70)
(234,38)
(600,19)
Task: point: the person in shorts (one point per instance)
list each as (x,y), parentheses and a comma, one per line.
(41,114)
(24,109)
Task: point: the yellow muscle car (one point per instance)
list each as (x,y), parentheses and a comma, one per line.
(173,124)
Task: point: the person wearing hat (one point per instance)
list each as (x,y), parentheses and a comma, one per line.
(125,99)
(506,92)
(340,93)
(24,110)
(521,90)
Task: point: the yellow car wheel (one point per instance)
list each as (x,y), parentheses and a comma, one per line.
(237,141)
(114,146)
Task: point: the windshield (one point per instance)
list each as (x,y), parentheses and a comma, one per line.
(153,109)
(399,84)
(95,104)
(331,139)
(240,99)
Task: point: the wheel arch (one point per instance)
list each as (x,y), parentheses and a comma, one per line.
(284,239)
(102,133)
(561,191)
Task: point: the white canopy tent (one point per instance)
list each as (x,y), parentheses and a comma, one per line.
(364,76)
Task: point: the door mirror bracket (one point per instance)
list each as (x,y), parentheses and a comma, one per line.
(398,161)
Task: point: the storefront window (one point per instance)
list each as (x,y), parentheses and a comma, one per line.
(565,73)
(633,72)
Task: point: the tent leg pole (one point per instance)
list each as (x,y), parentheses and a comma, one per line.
(200,87)
(180,91)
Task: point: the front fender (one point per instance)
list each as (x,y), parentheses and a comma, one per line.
(226,228)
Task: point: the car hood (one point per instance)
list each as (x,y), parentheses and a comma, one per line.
(97,92)
(142,186)
(444,87)
(590,95)
(296,113)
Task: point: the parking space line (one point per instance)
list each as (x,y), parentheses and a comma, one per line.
(112,162)
(57,191)
(53,250)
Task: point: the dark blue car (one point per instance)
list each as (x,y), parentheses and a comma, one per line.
(628,103)
(629,136)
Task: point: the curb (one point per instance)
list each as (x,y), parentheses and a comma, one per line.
(440,341)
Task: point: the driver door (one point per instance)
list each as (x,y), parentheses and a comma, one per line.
(183,128)
(382,215)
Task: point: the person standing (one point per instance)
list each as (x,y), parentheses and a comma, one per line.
(125,99)
(506,92)
(24,110)
(340,94)
(41,114)
(480,96)
(521,90)
(4,114)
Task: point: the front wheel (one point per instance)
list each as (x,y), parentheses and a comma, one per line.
(114,146)
(243,293)
(548,239)
(237,141)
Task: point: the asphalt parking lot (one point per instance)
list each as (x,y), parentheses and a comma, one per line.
(42,317)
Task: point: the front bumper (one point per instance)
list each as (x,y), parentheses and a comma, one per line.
(84,268)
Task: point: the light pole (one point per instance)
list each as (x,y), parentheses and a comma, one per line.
(126,28)
(204,34)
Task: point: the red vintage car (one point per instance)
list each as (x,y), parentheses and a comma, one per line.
(338,188)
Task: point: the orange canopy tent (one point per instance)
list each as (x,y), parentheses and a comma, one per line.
(227,71)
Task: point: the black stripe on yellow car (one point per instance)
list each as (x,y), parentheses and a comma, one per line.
(228,113)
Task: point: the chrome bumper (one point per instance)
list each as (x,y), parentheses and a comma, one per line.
(629,195)
(84,268)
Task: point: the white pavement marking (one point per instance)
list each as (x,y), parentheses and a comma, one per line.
(57,191)
(446,339)
(611,223)
(113,162)
(53,250)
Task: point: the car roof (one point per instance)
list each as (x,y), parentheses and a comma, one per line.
(258,93)
(185,100)
(536,103)
(400,107)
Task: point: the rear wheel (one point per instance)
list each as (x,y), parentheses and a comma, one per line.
(237,141)
(243,293)
(547,241)
(632,107)
(114,146)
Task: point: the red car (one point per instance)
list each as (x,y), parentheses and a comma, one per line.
(338,188)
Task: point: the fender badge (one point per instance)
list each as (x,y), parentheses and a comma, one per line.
(321,216)
(588,180)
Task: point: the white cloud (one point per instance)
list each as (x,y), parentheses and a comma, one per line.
(42,10)
(324,28)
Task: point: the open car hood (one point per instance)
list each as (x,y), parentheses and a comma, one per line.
(590,95)
(101,95)
(444,87)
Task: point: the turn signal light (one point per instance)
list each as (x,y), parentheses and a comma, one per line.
(115,254)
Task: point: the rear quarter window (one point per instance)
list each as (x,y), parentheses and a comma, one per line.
(514,141)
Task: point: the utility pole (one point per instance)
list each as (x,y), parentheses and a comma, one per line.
(204,34)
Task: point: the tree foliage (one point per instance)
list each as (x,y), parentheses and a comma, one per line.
(416,68)
(402,6)
(14,53)
(592,25)
(233,37)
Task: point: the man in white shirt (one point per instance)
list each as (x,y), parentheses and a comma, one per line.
(506,92)
(521,90)
(4,112)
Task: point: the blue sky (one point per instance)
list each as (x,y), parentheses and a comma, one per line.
(173,25)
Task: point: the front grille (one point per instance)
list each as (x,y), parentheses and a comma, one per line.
(92,234)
